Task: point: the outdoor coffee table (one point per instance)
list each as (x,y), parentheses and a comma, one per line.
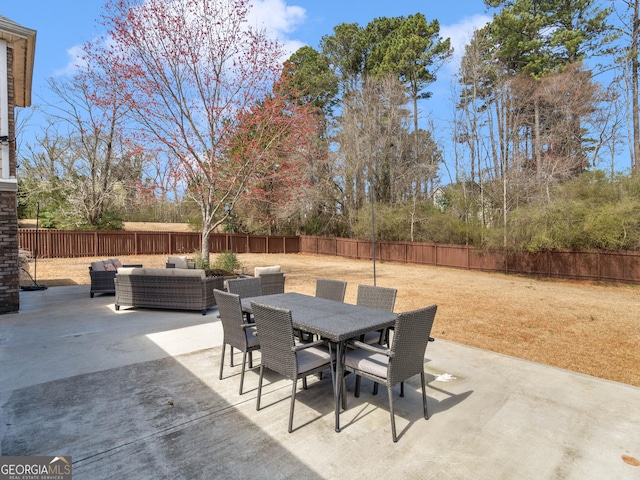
(334,321)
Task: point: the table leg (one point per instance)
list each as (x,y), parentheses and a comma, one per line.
(338,385)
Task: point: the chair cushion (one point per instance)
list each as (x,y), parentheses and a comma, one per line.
(369,362)
(179,262)
(163,272)
(257,271)
(252,337)
(311,358)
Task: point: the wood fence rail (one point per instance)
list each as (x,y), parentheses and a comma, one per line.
(101,243)
(571,264)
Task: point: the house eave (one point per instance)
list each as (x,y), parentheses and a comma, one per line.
(23,42)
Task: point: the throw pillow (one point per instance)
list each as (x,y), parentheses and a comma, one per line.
(109,267)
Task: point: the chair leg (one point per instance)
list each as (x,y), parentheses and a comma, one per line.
(222,359)
(402,389)
(375,388)
(424,396)
(232,356)
(250,359)
(293,402)
(393,420)
(304,383)
(357,392)
(244,364)
(259,387)
(343,392)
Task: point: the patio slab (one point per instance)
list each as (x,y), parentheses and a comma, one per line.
(135,394)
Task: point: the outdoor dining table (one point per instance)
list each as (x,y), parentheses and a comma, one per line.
(331,320)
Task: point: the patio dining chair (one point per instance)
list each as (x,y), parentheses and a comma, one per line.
(272,283)
(245,287)
(331,289)
(403,360)
(380,298)
(236,332)
(280,352)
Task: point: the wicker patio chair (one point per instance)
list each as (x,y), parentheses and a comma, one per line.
(279,351)
(237,333)
(272,283)
(394,365)
(104,281)
(380,298)
(245,287)
(331,289)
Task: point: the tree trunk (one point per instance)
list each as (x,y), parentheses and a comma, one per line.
(635,163)
(536,141)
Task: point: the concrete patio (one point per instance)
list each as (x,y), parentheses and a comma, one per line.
(135,394)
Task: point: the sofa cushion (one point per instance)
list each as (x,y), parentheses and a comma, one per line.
(257,271)
(97,266)
(178,262)
(163,272)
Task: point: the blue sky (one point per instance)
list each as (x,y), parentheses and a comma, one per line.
(63,25)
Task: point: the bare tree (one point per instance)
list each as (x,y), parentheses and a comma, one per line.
(84,152)
(628,12)
(201,83)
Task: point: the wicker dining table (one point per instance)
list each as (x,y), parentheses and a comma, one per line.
(331,320)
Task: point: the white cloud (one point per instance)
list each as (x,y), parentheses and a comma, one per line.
(278,19)
(75,59)
(460,34)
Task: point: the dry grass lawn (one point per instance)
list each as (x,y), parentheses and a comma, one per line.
(581,326)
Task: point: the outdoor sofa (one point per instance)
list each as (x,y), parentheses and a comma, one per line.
(166,288)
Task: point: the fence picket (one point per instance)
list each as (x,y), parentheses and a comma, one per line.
(573,264)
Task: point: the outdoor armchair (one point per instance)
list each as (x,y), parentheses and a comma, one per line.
(103,280)
(280,353)
(236,332)
(403,360)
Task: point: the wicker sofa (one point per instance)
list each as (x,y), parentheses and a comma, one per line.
(166,288)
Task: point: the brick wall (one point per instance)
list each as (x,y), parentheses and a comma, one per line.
(9,267)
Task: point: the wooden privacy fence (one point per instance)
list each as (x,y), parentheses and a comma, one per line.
(71,243)
(573,264)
